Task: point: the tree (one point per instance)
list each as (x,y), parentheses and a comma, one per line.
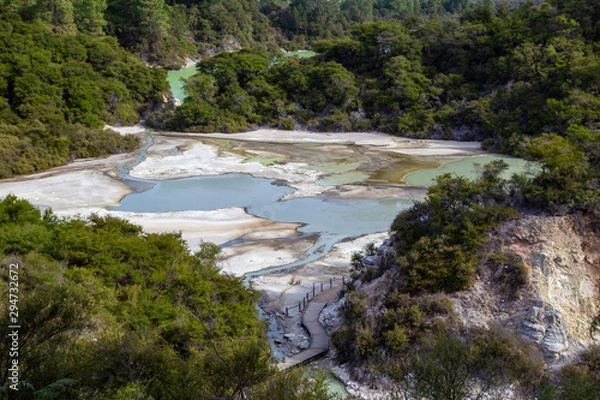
(114,313)
(56,315)
(294,384)
(154,22)
(234,367)
(59,14)
(89,16)
(439,239)
(358,10)
(564,180)
(442,369)
(448,367)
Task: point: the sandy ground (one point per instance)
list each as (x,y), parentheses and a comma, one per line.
(344,158)
(296,158)
(179,158)
(398,144)
(127,130)
(80,191)
(256,255)
(219,227)
(376,192)
(283,292)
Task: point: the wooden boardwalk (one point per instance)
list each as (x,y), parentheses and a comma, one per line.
(319,338)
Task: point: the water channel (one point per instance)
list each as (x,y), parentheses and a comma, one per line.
(332,220)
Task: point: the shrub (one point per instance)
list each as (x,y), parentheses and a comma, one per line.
(590,358)
(396,339)
(366,342)
(343,340)
(510,271)
(353,308)
(447,366)
(439,239)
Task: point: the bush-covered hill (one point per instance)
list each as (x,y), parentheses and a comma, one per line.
(107,311)
(446,312)
(166,31)
(57,90)
(110,309)
(523,80)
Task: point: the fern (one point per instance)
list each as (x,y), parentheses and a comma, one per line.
(49,391)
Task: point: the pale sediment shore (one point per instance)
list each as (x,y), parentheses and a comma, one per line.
(90,186)
(298,158)
(127,130)
(422,147)
(77,191)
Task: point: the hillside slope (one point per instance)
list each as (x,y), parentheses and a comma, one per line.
(557,305)
(521,329)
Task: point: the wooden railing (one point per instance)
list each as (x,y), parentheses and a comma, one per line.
(316,289)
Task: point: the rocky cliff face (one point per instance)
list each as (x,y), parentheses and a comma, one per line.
(562,295)
(554,307)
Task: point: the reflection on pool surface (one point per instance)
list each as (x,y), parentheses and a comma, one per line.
(468,167)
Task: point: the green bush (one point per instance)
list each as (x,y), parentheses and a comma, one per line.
(439,239)
(510,270)
(579,381)
(60,89)
(446,366)
(110,308)
(343,340)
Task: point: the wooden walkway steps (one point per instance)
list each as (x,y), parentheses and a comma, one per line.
(319,338)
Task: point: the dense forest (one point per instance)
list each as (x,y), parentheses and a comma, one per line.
(67,66)
(166,31)
(522,80)
(115,313)
(58,90)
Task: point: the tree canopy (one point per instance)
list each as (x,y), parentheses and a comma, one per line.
(523,80)
(58,90)
(112,312)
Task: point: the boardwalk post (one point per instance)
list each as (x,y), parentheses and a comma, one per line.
(304,302)
(313,289)
(321,286)
(299,307)
(330,283)
(342,280)
(307,297)
(287,312)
